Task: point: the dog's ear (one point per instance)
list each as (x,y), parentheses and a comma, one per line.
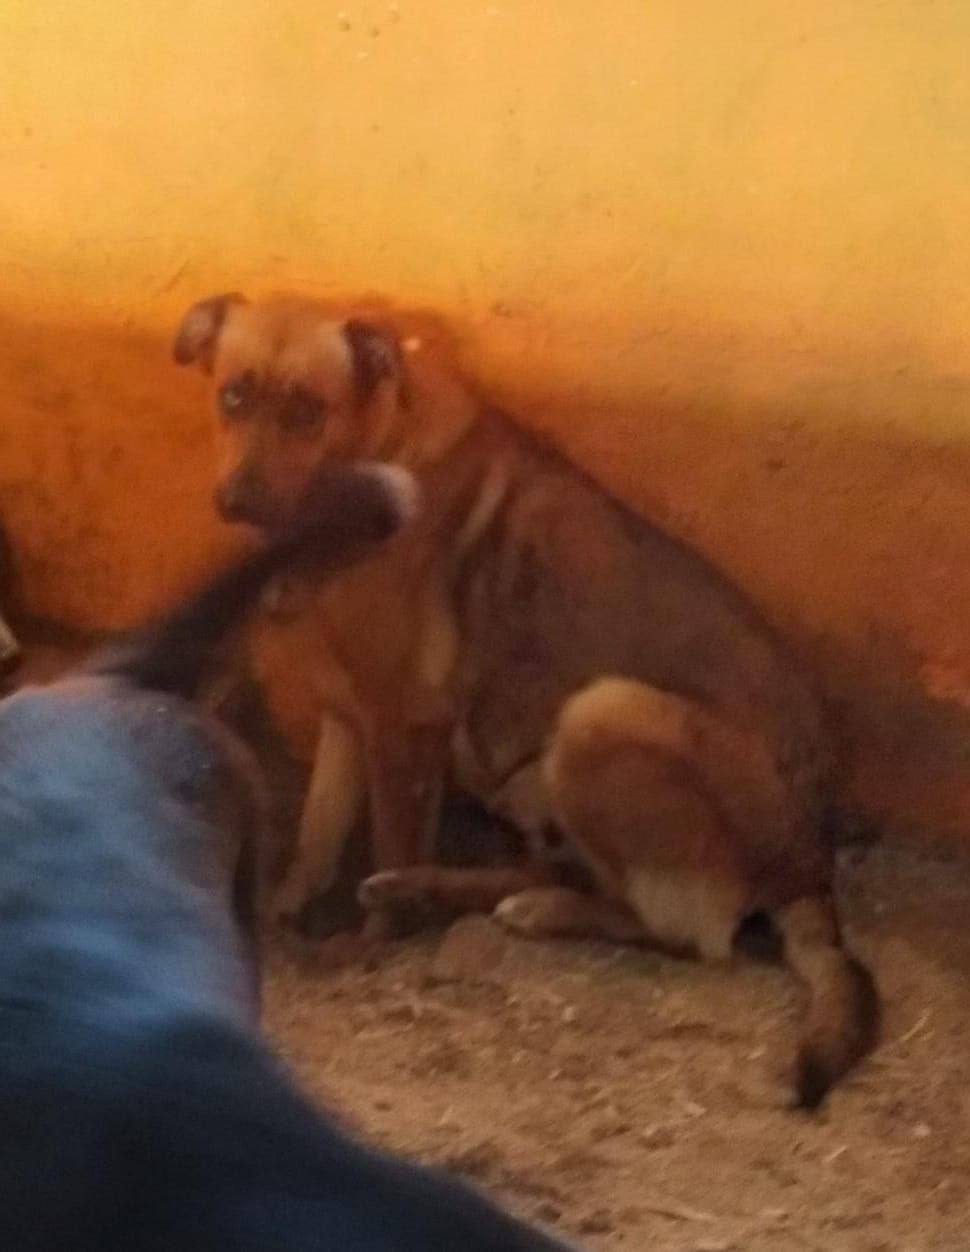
(375,354)
(195,342)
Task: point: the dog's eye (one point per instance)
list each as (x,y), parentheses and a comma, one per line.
(301,411)
(232,398)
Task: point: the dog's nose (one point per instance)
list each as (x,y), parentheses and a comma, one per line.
(238,498)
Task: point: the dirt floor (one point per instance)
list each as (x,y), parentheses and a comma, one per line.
(638,1102)
(635,1101)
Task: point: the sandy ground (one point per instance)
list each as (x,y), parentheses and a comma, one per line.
(638,1102)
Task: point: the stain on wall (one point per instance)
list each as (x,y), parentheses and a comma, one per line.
(718,251)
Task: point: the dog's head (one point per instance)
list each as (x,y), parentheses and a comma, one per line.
(294,389)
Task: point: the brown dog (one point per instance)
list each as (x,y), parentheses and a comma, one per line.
(564,661)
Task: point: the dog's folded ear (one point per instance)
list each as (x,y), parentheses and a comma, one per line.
(376,356)
(198,335)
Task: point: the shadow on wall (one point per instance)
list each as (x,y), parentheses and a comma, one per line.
(855,538)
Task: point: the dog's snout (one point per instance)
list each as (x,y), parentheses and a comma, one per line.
(239,498)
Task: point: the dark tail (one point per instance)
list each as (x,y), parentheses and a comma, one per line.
(842,1021)
(346,513)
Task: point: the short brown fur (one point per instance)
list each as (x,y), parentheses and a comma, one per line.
(532,640)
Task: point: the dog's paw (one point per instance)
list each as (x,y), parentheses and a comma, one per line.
(380,890)
(534,913)
(393,887)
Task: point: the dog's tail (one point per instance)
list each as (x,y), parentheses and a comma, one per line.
(842,1021)
(346,513)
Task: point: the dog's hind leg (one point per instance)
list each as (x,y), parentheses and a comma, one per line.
(624,787)
(688,821)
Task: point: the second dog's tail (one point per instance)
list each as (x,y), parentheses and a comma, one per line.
(346,513)
(842,1020)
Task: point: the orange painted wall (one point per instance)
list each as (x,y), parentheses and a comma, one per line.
(720,250)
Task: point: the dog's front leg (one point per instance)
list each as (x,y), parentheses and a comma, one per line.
(405,769)
(333,801)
